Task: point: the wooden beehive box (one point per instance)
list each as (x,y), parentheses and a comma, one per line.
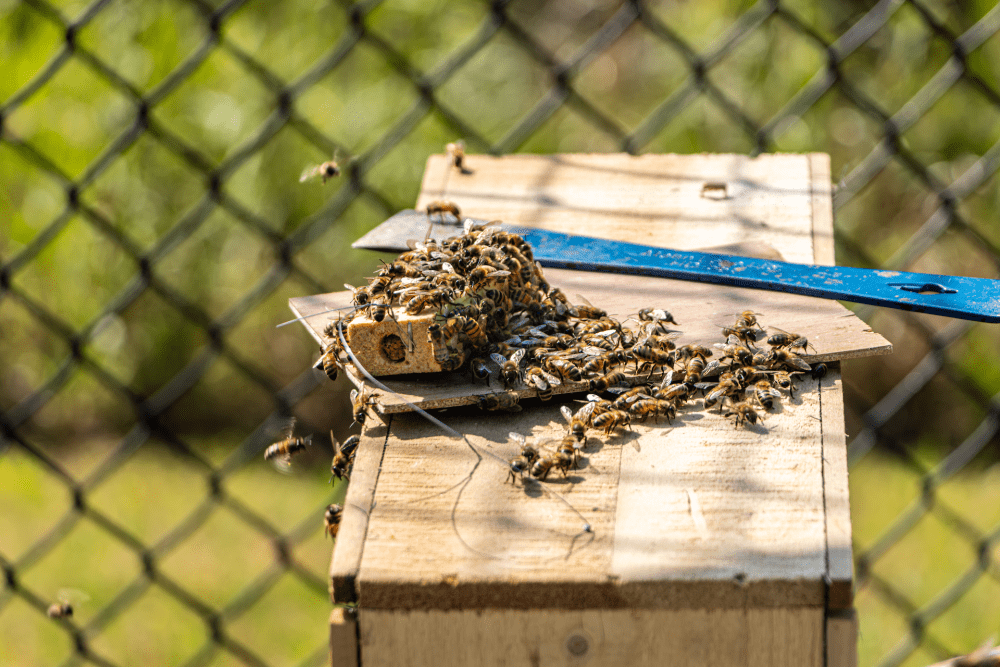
(710,545)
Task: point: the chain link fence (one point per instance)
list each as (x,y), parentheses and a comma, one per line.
(154,228)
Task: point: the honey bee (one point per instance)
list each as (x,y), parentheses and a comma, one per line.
(441,207)
(738,353)
(789,359)
(725,387)
(343,456)
(789,340)
(765,394)
(480,368)
(747,318)
(569,450)
(818,372)
(783,379)
(499,401)
(694,369)
(60,610)
(540,468)
(456,152)
(360,401)
(745,335)
(331,520)
(609,380)
(651,357)
(331,360)
(655,315)
(471,329)
(587,311)
(604,362)
(326,171)
(542,382)
(565,369)
(483,274)
(509,368)
(288,446)
(612,419)
(529,452)
(744,413)
(578,422)
(65,599)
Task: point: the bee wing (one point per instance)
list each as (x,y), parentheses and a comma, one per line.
(594,398)
(516,438)
(311,173)
(354,396)
(72,596)
(517,356)
(588,409)
(538,382)
(498,358)
(584,300)
(550,378)
(282,464)
(288,429)
(605,333)
(336,445)
(566,413)
(712,369)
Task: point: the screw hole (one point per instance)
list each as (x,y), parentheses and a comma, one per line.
(392,349)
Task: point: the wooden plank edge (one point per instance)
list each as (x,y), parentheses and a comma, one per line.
(606,593)
(344,637)
(822,209)
(346,559)
(842,638)
(836,495)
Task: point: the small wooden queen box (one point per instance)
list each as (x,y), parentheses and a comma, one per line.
(707,544)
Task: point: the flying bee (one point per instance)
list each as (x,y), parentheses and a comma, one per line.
(655,315)
(744,413)
(326,171)
(505,401)
(330,361)
(609,380)
(765,394)
(543,382)
(456,153)
(343,456)
(287,447)
(331,520)
(611,420)
(441,207)
(360,401)
(509,368)
(65,598)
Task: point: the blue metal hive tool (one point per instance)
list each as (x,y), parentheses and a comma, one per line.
(975,299)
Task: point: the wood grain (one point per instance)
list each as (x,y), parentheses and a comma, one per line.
(343,638)
(611,638)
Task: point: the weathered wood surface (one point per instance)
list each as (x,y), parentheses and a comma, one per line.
(708,543)
(343,638)
(610,638)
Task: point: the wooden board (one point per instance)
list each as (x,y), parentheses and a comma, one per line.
(699,309)
(610,638)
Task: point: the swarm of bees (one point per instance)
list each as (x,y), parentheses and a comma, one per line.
(496,317)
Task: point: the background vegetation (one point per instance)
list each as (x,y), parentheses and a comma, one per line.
(153,228)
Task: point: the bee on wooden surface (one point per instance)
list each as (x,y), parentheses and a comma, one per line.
(503,401)
(789,359)
(678,393)
(651,357)
(540,469)
(611,420)
(288,446)
(480,368)
(744,413)
(331,520)
(628,396)
(377,310)
(360,401)
(609,380)
(694,369)
(745,335)
(655,315)
(569,450)
(747,318)
(456,153)
(578,422)
(482,275)
(510,369)
(343,456)
(787,339)
(784,380)
(562,368)
(326,171)
(441,207)
(530,452)
(471,329)
(542,382)
(644,408)
(433,299)
(765,394)
(818,372)
(604,362)
(725,387)
(740,353)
